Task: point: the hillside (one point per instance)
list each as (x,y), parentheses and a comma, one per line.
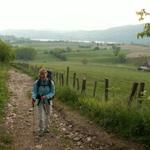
(123,34)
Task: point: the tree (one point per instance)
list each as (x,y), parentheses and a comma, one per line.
(122,58)
(146,32)
(116,50)
(6,52)
(25,53)
(84,61)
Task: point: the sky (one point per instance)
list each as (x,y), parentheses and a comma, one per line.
(70,14)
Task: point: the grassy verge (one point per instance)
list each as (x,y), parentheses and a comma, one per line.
(3,90)
(112,115)
(5,138)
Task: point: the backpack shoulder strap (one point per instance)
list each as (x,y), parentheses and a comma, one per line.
(49,83)
(38,84)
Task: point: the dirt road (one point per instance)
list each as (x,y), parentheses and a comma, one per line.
(68,130)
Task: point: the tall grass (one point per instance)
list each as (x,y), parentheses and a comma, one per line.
(5,138)
(3,89)
(113,115)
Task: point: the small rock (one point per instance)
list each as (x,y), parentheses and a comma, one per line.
(71,135)
(9,105)
(70,126)
(55,116)
(78,143)
(101,148)
(38,146)
(76,139)
(89,139)
(28,124)
(64,129)
(31,109)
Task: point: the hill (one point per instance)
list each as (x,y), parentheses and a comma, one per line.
(123,34)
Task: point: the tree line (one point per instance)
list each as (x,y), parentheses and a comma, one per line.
(9,53)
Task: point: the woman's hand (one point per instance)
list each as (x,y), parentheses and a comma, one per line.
(43,97)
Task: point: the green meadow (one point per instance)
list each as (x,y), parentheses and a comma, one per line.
(95,65)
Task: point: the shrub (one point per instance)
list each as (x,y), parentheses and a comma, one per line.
(6,52)
(84,61)
(25,53)
(67,95)
(122,58)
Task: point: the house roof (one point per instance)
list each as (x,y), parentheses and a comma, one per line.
(146,63)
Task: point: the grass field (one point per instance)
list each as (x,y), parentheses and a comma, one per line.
(100,64)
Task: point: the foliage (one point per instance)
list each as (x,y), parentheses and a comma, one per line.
(146,32)
(68,49)
(25,53)
(84,61)
(116,50)
(6,52)
(58,52)
(122,58)
(96,48)
(67,95)
(84,46)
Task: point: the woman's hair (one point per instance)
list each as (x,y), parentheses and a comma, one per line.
(43,71)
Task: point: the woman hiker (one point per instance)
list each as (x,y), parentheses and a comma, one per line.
(43,92)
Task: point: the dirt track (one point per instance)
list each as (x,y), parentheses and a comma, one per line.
(68,130)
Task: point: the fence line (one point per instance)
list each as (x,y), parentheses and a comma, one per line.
(60,79)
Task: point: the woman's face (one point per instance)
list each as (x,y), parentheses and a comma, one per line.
(43,76)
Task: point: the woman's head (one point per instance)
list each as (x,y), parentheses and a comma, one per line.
(43,73)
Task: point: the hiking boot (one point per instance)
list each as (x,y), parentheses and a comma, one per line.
(46,130)
(40,133)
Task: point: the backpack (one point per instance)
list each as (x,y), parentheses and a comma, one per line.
(49,76)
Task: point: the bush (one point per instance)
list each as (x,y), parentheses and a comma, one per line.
(6,52)
(122,58)
(96,48)
(58,52)
(84,61)
(67,95)
(25,53)
(116,50)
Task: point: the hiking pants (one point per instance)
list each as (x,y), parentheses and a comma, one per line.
(44,114)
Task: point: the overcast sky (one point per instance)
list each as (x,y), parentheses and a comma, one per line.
(69,14)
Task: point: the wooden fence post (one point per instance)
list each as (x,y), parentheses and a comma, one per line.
(78,87)
(133,93)
(106,88)
(95,86)
(56,77)
(67,78)
(74,80)
(141,92)
(83,86)
(60,82)
(62,79)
